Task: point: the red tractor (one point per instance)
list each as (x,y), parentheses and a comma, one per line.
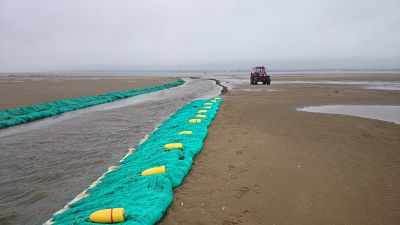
(260,74)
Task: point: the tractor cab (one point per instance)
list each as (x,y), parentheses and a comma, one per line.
(260,70)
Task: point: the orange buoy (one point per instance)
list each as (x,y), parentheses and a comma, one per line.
(201,116)
(207,107)
(186,132)
(208,103)
(114,215)
(154,170)
(202,111)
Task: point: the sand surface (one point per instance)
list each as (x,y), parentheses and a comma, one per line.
(28,90)
(263,162)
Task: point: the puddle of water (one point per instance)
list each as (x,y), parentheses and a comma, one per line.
(384,113)
(388,87)
(233,81)
(375,85)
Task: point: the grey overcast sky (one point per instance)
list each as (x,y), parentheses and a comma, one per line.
(51,35)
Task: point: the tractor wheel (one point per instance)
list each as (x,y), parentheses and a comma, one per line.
(264,82)
(256,80)
(251,80)
(269,81)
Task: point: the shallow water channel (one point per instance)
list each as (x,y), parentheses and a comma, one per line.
(46,163)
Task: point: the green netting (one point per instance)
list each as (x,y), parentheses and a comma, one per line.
(11,117)
(145,199)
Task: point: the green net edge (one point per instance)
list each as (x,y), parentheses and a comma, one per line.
(16,116)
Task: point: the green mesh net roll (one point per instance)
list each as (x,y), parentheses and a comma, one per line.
(146,198)
(12,117)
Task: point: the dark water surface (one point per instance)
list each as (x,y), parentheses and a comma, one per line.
(44,164)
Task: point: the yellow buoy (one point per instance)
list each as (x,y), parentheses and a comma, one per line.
(195,121)
(213,100)
(154,170)
(114,215)
(173,145)
(208,103)
(202,111)
(217,98)
(207,107)
(201,116)
(186,132)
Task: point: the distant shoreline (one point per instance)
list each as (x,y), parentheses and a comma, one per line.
(174,73)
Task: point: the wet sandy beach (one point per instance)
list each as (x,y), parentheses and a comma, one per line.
(264,162)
